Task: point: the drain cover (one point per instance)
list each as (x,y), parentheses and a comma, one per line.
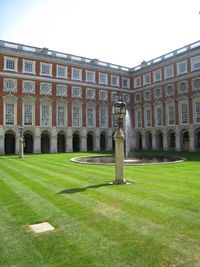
(41,227)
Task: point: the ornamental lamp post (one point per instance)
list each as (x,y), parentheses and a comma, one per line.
(21,142)
(119,111)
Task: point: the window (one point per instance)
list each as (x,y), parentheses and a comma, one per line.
(9,116)
(90,76)
(46,69)
(169,90)
(28,87)
(27,114)
(171,115)
(158,116)
(114,80)
(90,117)
(183,87)
(61,90)
(196,84)
(10,85)
(45,115)
(181,67)
(157,75)
(169,71)
(45,89)
(184,113)
(114,121)
(61,71)
(146,79)
(103,116)
(28,66)
(195,63)
(103,95)
(10,64)
(114,97)
(103,78)
(90,93)
(61,116)
(158,93)
(76,116)
(148,117)
(197,112)
(76,74)
(76,92)
(137,82)
(147,95)
(126,98)
(125,82)
(138,98)
(138,118)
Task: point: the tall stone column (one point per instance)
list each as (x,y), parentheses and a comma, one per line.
(69,140)
(17,140)
(192,139)
(84,140)
(97,146)
(54,141)
(144,145)
(37,141)
(165,140)
(119,157)
(2,152)
(178,141)
(154,143)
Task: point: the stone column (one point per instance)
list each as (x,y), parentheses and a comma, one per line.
(84,141)
(54,141)
(178,143)
(69,140)
(37,141)
(165,140)
(17,145)
(21,147)
(154,143)
(2,152)
(119,157)
(144,145)
(97,146)
(192,139)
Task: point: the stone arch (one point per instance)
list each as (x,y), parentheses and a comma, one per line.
(138,140)
(171,139)
(197,139)
(184,139)
(9,143)
(45,142)
(61,141)
(148,140)
(159,140)
(76,142)
(103,141)
(90,141)
(28,142)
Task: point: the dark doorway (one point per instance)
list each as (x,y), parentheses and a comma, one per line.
(90,142)
(61,143)
(76,142)
(113,142)
(172,140)
(45,144)
(28,143)
(160,141)
(102,141)
(9,144)
(149,141)
(185,141)
(139,145)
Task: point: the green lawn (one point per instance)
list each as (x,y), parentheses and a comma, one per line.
(155,221)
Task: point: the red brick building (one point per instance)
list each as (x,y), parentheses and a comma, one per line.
(64,101)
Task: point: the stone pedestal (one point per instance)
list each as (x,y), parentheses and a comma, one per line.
(119,157)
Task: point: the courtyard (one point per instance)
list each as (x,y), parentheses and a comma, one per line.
(154,221)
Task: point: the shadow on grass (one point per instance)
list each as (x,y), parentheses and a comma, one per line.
(81,189)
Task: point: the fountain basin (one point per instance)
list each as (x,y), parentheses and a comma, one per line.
(138,160)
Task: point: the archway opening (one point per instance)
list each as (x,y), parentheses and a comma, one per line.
(172,140)
(159,141)
(197,140)
(61,143)
(28,143)
(9,143)
(76,142)
(149,141)
(90,145)
(103,141)
(139,141)
(185,139)
(45,143)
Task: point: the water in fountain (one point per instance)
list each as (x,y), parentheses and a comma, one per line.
(127,127)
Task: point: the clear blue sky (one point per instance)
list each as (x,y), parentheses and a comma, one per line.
(124,32)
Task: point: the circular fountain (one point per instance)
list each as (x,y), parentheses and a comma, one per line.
(138,160)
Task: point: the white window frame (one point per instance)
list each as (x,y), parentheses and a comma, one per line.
(136,85)
(49,85)
(178,65)
(94,116)
(33,110)
(15,63)
(106,95)
(117,79)
(166,68)
(154,75)
(80,74)
(180,112)
(195,100)
(144,79)
(29,62)
(148,109)
(64,106)
(128,82)
(14,102)
(106,78)
(65,68)
(137,125)
(79,106)
(156,115)
(167,113)
(105,108)
(50,69)
(46,103)
(192,61)
(65,89)
(80,92)
(11,80)
(93,76)
(30,82)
